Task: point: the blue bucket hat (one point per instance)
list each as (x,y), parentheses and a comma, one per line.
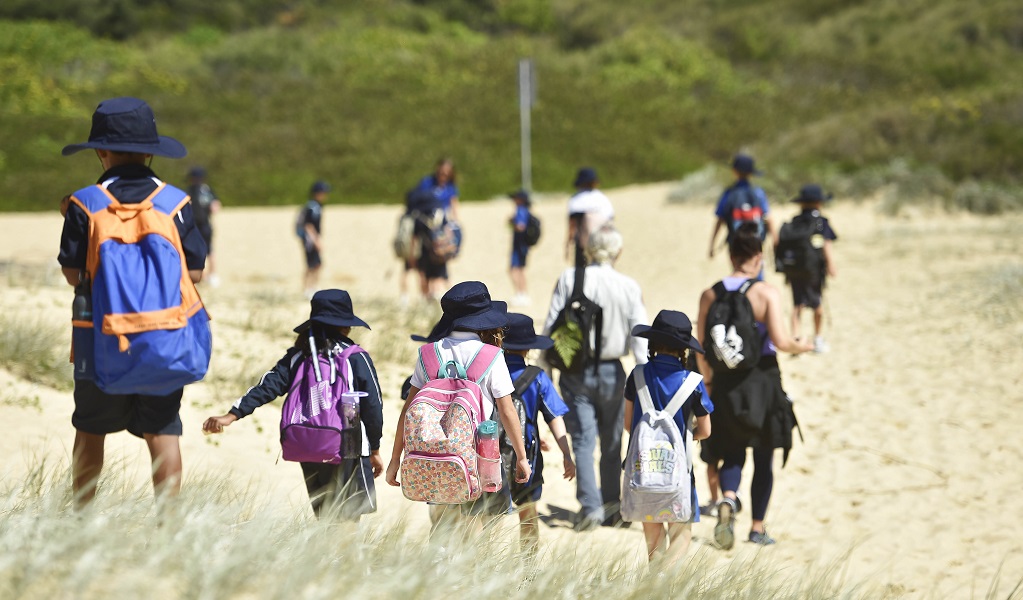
(743,163)
(127,125)
(810,194)
(521,195)
(332,308)
(442,328)
(319,186)
(586,176)
(671,328)
(520,335)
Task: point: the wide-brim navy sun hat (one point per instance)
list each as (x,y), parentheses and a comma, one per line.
(332,308)
(585,176)
(810,194)
(127,125)
(671,329)
(744,163)
(443,327)
(520,335)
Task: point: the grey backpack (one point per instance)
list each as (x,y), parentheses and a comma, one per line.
(658,485)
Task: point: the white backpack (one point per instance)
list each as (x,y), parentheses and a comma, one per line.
(658,485)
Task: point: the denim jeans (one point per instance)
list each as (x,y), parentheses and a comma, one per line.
(596,409)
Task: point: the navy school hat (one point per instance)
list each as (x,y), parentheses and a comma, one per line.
(671,328)
(127,125)
(319,186)
(811,193)
(443,328)
(521,194)
(743,163)
(520,335)
(332,308)
(585,177)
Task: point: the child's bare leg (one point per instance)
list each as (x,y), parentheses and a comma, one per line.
(655,539)
(818,319)
(680,536)
(529,530)
(165,451)
(713,481)
(796,311)
(86,465)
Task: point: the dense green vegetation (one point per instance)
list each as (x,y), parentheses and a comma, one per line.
(367,94)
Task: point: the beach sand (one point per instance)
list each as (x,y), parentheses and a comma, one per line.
(909,476)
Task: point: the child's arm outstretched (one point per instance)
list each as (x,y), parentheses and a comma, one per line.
(273,384)
(557,426)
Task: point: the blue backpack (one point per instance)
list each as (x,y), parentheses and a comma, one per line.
(149,332)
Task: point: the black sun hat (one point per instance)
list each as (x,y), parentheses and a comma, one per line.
(671,328)
(127,125)
(810,194)
(443,327)
(332,308)
(520,335)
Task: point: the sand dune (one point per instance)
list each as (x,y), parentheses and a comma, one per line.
(911,462)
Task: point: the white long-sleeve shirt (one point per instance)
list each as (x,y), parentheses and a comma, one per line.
(622,302)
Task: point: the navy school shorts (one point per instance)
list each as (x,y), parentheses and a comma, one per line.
(100,413)
(807,292)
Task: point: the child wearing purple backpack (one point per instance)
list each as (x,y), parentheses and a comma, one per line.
(339,478)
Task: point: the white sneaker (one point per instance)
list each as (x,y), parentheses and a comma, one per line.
(520,300)
(214,280)
(819,345)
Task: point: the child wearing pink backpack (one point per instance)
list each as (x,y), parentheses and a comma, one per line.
(456,384)
(332,418)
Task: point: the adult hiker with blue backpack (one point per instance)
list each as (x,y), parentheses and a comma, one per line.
(658,488)
(332,418)
(140,332)
(456,384)
(742,329)
(592,313)
(742,202)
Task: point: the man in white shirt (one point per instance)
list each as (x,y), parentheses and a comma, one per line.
(595,396)
(588,209)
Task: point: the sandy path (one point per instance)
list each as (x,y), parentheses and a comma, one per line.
(912,452)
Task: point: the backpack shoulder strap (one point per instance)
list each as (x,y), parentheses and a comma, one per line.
(646,403)
(92,199)
(526,379)
(481,364)
(429,358)
(719,290)
(747,285)
(169,199)
(689,385)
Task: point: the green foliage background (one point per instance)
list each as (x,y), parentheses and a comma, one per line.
(269,95)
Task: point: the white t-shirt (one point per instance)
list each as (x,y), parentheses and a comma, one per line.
(461,347)
(595,205)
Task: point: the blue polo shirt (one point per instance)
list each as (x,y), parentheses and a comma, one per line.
(130,184)
(443,193)
(541,397)
(520,220)
(724,207)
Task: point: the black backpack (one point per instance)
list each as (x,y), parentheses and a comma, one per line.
(796,254)
(522,383)
(572,329)
(733,342)
(532,230)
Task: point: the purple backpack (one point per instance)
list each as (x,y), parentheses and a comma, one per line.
(320,418)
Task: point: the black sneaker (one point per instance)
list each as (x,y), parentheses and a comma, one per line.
(724,531)
(761,538)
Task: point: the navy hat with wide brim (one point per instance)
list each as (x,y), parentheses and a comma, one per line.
(671,329)
(585,177)
(520,335)
(127,125)
(811,193)
(332,308)
(744,163)
(443,327)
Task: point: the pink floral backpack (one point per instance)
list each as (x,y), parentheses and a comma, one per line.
(440,429)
